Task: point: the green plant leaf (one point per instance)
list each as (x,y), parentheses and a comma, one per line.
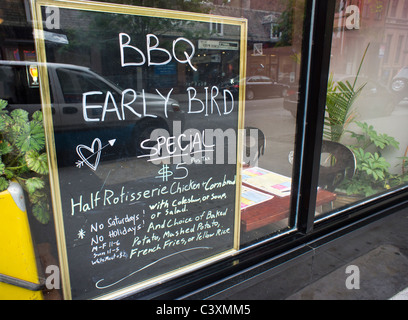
(31,138)
(3,122)
(371,136)
(9,174)
(3,105)
(34,184)
(38,196)
(20,116)
(37,162)
(5,147)
(21,144)
(4,184)
(41,212)
(37,116)
(339,102)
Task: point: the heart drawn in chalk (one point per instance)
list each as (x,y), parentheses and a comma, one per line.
(95,149)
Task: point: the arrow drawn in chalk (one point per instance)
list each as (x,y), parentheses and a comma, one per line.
(95,149)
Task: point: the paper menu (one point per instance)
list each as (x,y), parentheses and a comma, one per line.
(250,197)
(267,181)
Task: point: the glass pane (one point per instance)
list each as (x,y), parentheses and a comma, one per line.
(138,73)
(365,134)
(272,82)
(25,201)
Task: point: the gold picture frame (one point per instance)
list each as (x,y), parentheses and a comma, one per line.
(38,21)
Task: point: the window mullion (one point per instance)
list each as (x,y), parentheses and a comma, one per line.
(311,118)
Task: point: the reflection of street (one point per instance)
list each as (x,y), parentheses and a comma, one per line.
(268,115)
(271,118)
(278,126)
(401,108)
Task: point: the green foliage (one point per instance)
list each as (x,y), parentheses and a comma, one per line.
(22,145)
(369,136)
(372,171)
(341,97)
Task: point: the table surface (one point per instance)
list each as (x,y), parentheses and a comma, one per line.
(275,209)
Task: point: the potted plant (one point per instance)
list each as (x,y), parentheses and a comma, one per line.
(23,157)
(372,169)
(372,172)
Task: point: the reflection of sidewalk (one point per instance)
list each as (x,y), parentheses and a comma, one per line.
(403,295)
(379,250)
(401,109)
(380,274)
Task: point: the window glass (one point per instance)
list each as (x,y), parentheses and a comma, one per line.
(74,83)
(88,87)
(272,82)
(17,84)
(365,134)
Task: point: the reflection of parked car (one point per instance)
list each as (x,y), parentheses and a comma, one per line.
(399,83)
(256,87)
(68,83)
(290,100)
(375,100)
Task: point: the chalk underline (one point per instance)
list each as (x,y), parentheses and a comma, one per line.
(98,286)
(177,155)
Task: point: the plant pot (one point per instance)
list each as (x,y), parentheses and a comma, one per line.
(19,278)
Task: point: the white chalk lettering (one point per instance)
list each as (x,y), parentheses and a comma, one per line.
(124,43)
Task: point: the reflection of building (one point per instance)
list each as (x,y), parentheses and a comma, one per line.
(395,38)
(16,38)
(383,25)
(267,54)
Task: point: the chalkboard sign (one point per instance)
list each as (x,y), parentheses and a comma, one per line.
(143,141)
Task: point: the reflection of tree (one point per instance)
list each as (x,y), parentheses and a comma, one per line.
(290,23)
